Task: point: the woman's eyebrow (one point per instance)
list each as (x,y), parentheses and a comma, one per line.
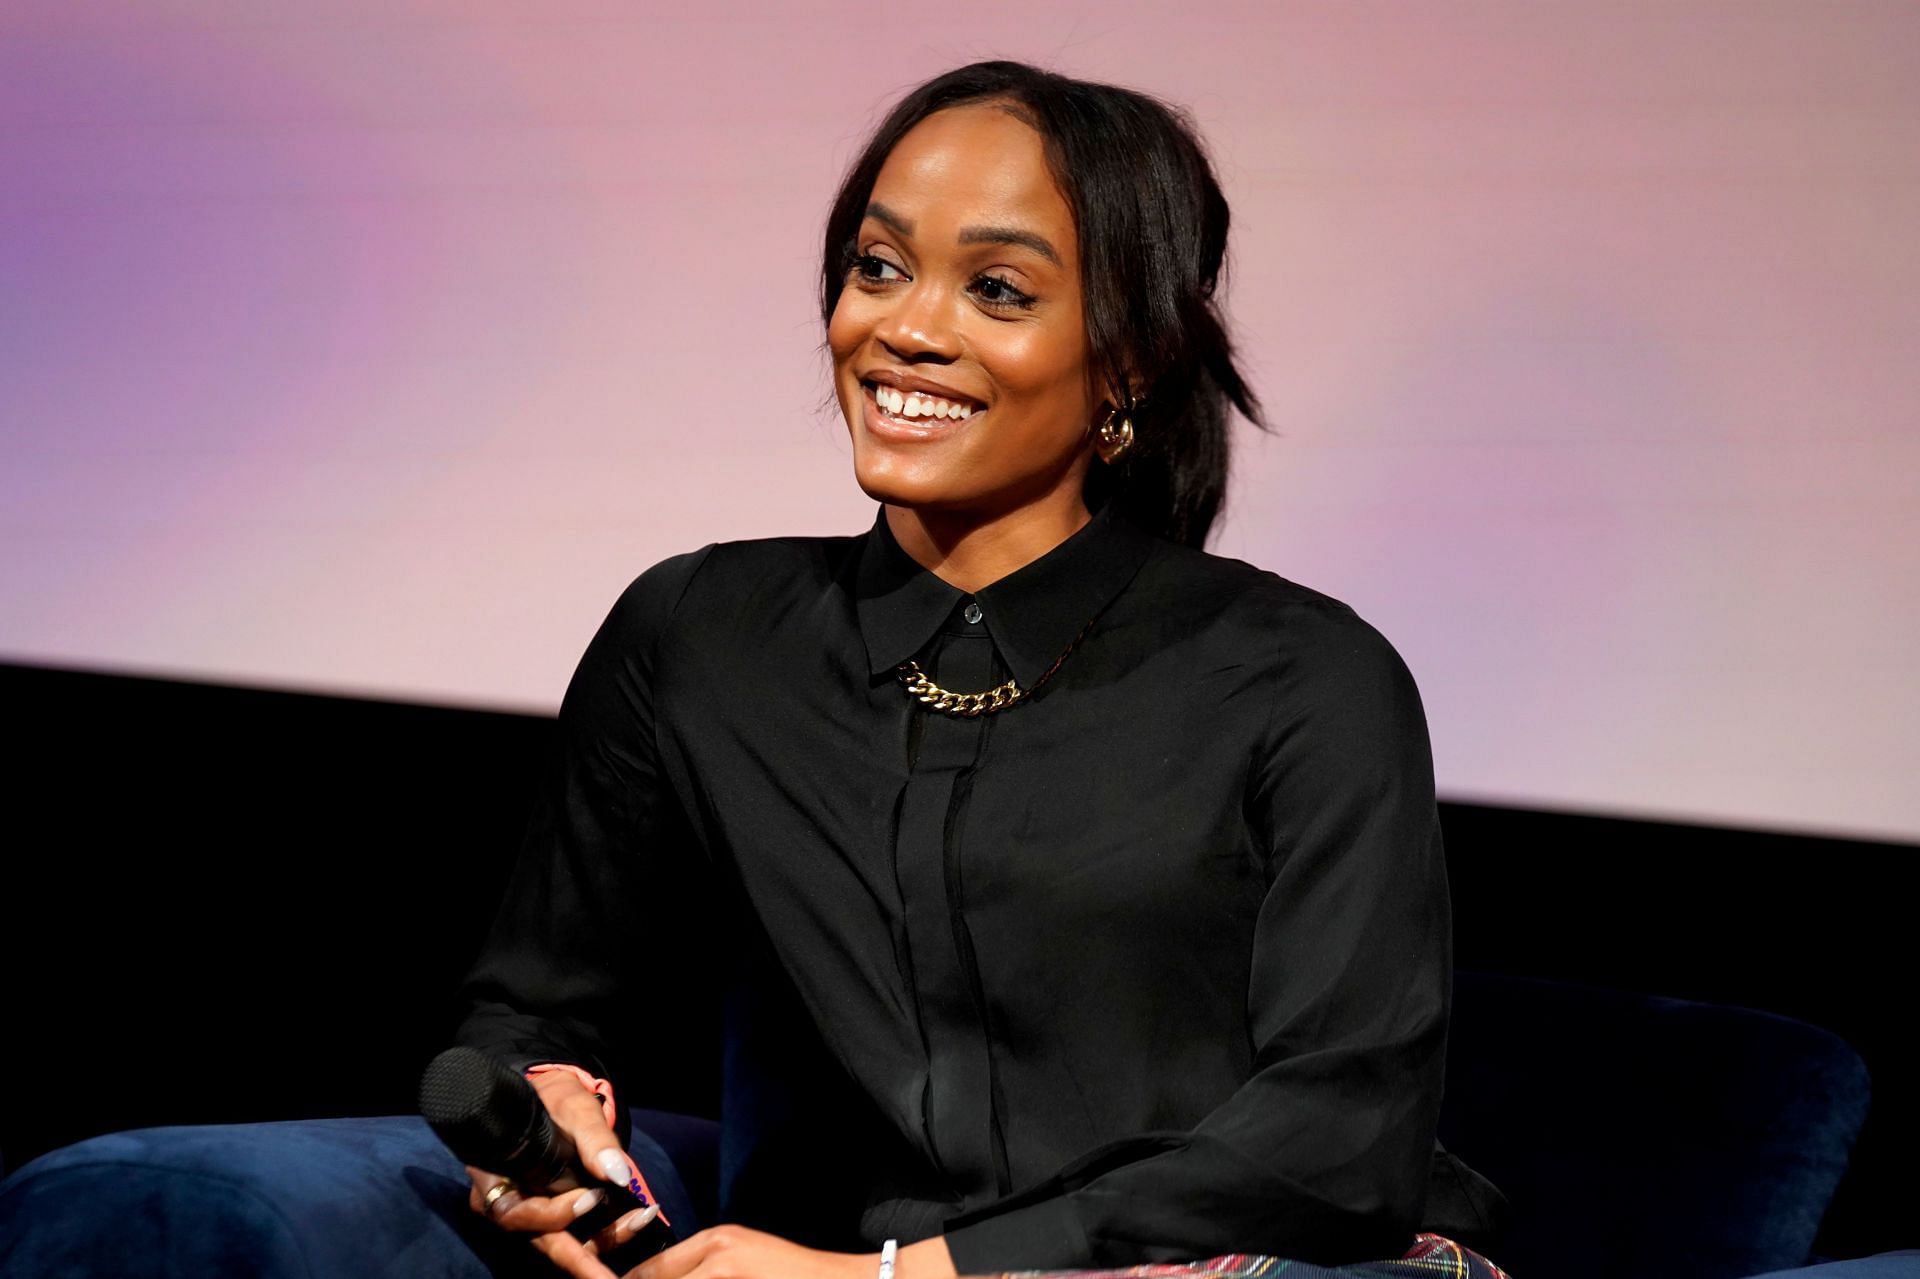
(971,235)
(1010,235)
(887,217)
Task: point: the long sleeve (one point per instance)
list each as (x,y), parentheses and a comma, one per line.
(564,966)
(1323,1154)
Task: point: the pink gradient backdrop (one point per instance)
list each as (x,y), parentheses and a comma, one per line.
(374,347)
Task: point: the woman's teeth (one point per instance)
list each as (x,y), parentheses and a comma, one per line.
(907,404)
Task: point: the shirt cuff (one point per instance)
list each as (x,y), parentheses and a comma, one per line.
(1040,1236)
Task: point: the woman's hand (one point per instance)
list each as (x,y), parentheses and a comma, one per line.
(578,1113)
(723,1252)
(735,1252)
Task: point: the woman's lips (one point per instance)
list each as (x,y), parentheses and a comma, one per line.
(888,427)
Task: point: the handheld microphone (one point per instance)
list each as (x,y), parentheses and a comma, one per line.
(491,1117)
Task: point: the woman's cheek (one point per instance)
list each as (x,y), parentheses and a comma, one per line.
(846,328)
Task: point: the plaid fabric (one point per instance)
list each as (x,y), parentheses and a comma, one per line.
(1431,1257)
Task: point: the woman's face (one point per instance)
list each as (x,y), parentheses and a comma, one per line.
(959,344)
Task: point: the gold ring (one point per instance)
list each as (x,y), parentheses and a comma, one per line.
(494,1192)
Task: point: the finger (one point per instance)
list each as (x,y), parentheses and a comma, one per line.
(572,1256)
(599,1150)
(623,1230)
(481,1196)
(482,1182)
(579,1114)
(541,1214)
(681,1258)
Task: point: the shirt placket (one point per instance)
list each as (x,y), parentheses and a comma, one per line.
(958,1109)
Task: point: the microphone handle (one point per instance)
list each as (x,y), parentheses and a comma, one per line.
(615,1203)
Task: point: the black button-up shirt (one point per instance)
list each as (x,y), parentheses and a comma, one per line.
(1151,965)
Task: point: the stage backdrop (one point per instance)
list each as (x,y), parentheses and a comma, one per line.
(375,346)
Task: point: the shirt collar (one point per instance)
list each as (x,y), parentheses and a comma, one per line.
(1032,613)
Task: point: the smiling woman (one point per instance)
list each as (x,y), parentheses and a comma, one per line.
(1125,932)
(1084,891)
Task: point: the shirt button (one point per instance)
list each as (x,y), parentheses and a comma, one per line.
(971,613)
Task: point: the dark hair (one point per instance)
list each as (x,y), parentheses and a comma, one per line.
(1152,226)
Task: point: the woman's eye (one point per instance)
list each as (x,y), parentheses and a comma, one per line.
(995,291)
(877,270)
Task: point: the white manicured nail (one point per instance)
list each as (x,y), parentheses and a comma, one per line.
(585,1203)
(613,1166)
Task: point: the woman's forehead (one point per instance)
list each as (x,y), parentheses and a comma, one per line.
(967,164)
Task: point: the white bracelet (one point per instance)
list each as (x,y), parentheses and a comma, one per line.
(888,1251)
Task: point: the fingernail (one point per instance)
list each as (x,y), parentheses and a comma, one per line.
(613,1166)
(584,1204)
(633,1221)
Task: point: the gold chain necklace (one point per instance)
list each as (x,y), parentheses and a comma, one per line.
(997,698)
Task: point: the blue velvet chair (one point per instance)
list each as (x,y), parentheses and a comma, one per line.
(1635,1136)
(327,1197)
(1642,1136)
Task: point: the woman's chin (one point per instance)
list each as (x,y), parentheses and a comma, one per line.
(886,485)
(910,476)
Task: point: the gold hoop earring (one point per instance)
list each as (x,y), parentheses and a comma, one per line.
(1114,437)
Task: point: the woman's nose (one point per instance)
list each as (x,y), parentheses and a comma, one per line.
(920,325)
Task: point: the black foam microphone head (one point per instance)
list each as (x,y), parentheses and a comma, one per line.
(491,1117)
